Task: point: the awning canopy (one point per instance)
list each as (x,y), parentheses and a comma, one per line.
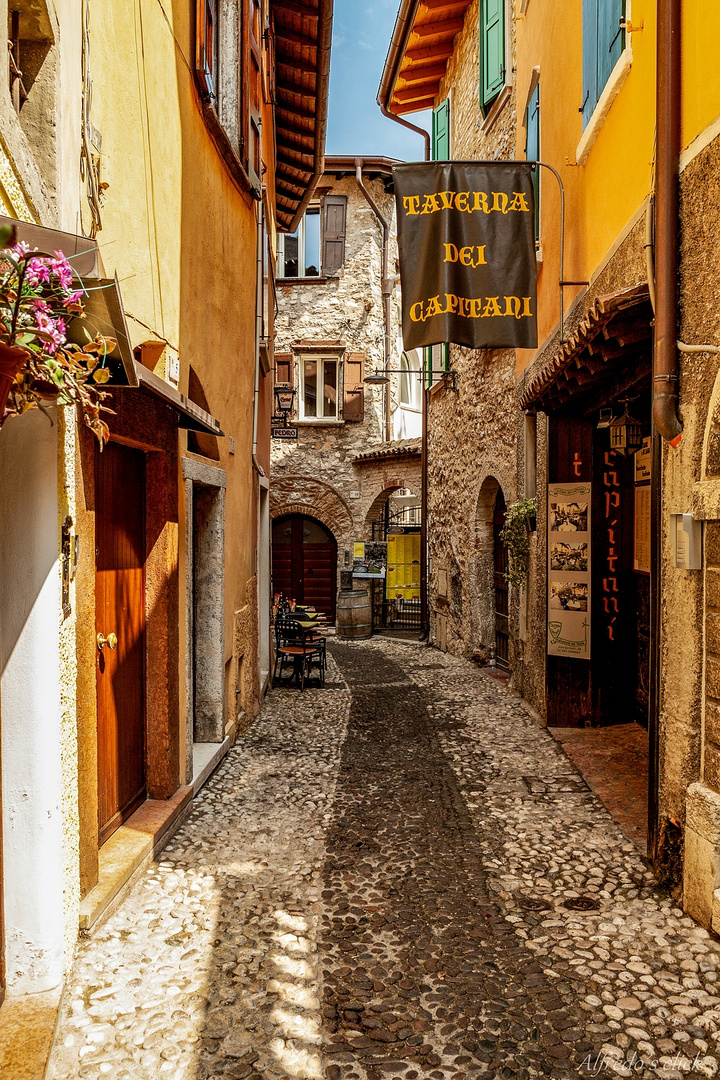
(191,416)
(104,313)
(303,33)
(608,355)
(420,47)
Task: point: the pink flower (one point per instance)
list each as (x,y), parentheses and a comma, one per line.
(73,298)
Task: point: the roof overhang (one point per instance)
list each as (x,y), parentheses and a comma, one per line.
(609,354)
(303,34)
(387,451)
(190,415)
(421,45)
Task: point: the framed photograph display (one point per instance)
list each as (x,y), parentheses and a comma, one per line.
(569,599)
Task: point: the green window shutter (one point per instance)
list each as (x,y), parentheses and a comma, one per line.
(589,58)
(441,131)
(532,148)
(611,39)
(492,49)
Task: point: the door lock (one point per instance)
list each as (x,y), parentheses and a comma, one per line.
(110,641)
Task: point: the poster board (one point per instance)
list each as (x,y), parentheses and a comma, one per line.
(403,566)
(643,462)
(569,599)
(641,544)
(369,559)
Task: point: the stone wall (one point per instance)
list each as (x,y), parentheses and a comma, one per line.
(481,419)
(319,474)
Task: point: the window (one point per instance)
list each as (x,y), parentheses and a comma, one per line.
(205,50)
(532,148)
(492,50)
(409,388)
(299,252)
(318,388)
(603,44)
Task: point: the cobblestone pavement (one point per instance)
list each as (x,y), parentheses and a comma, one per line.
(379,882)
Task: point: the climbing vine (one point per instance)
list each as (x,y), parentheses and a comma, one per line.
(515,535)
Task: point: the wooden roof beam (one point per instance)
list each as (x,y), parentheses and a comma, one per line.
(309,67)
(443,5)
(289,37)
(441,51)
(417,93)
(438,29)
(414,106)
(298,8)
(423,74)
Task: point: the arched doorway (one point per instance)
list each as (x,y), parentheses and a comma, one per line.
(500,565)
(304,562)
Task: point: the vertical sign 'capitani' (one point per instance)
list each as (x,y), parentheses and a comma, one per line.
(466,236)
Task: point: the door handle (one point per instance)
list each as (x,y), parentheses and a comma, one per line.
(110,641)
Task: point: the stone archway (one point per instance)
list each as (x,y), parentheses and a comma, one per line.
(312,498)
(483,592)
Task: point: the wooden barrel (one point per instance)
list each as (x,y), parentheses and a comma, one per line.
(354,614)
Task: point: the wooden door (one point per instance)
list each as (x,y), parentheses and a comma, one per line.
(120,610)
(304,562)
(500,565)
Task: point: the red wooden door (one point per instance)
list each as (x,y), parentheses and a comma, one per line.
(120,610)
(304,563)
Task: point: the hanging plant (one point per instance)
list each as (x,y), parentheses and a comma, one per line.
(515,535)
(38,365)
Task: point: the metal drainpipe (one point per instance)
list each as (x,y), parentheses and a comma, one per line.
(665,365)
(387,284)
(258,333)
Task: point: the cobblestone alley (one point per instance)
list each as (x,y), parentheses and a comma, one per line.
(374,884)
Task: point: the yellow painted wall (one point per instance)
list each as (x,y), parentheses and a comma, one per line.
(181,235)
(608,191)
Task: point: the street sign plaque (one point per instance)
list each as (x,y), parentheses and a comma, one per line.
(284,433)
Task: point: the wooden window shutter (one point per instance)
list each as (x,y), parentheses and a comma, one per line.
(589,59)
(354,388)
(334,215)
(610,39)
(283,369)
(205,46)
(492,49)
(441,132)
(532,149)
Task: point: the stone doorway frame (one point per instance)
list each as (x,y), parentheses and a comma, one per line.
(205,487)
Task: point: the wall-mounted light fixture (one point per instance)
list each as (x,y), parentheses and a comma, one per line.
(284,397)
(626,435)
(380,376)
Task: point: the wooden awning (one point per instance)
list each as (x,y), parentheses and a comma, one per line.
(303,31)
(608,354)
(421,45)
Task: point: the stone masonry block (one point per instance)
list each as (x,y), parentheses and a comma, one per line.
(712,632)
(701,876)
(711,768)
(712,587)
(712,722)
(702,812)
(712,677)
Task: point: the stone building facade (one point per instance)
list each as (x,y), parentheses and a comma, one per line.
(621,374)
(347,460)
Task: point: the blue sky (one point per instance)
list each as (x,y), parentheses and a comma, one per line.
(361,36)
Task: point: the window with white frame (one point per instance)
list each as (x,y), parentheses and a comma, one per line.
(299,252)
(410,390)
(318,388)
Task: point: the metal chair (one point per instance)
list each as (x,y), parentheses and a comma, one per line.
(303,648)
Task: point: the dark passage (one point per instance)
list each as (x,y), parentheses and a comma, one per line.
(421,975)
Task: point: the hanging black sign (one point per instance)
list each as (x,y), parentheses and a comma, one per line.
(466,238)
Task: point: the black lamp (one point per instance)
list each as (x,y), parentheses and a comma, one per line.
(626,436)
(284,397)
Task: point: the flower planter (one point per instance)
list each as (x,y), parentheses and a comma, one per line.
(12,360)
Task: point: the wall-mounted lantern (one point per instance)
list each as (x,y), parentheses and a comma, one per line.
(626,434)
(284,398)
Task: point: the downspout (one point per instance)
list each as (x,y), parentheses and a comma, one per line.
(387,284)
(665,359)
(258,334)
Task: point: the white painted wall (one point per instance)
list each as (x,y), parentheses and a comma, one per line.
(30,704)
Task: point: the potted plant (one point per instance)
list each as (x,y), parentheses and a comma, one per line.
(38,365)
(520,521)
